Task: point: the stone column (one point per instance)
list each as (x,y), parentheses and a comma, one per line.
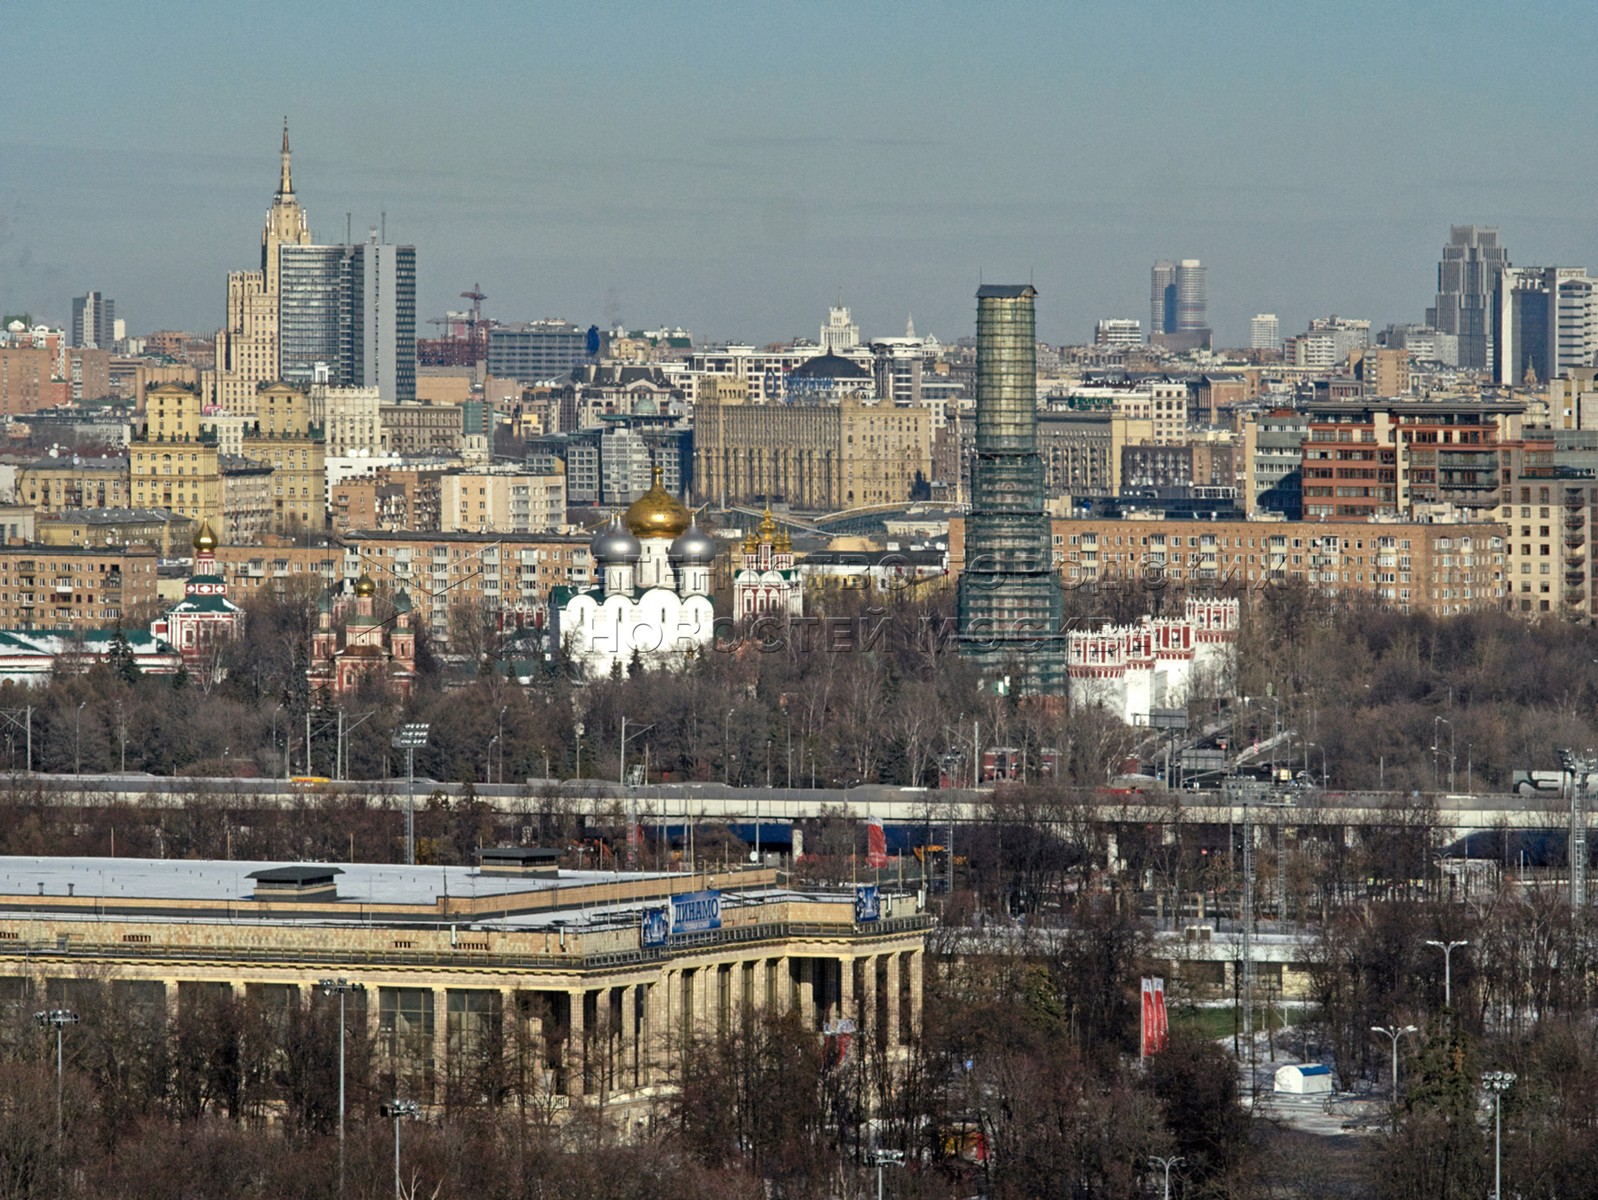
(576,1044)
(758,998)
(869,1025)
(782,1001)
(846,992)
(807,991)
(627,1039)
(657,1028)
(891,985)
(913,962)
(441,1063)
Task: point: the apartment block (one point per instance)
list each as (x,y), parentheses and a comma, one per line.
(822,457)
(1437,568)
(252,570)
(422,428)
(75,589)
(284,436)
(55,485)
(165,533)
(1363,459)
(26,380)
(500,501)
(507,577)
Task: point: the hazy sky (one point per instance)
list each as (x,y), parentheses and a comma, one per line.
(733,167)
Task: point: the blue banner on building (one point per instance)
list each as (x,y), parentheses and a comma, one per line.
(867,903)
(656,927)
(695,912)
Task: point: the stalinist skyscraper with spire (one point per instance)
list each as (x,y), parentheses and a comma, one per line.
(247,346)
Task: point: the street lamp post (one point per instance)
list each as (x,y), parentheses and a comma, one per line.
(60,1018)
(1448,949)
(500,738)
(488,760)
(1166,1163)
(1498,1082)
(726,754)
(340,988)
(1308,746)
(397,1110)
(578,730)
(77,741)
(1438,743)
(885,1158)
(1395,1032)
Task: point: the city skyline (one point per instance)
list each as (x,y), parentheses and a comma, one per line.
(739,198)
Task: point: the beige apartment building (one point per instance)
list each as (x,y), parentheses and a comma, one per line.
(821,457)
(251,570)
(173,458)
(423,428)
(390,499)
(501,501)
(65,484)
(284,436)
(509,575)
(73,588)
(248,514)
(350,418)
(1082,450)
(165,533)
(1436,568)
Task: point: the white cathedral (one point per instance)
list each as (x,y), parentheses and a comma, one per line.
(651,600)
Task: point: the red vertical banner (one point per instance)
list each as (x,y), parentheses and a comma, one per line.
(1155,1029)
(876,843)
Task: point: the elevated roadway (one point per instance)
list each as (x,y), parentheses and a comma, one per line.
(1457,813)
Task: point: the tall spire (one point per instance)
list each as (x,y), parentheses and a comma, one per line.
(285,183)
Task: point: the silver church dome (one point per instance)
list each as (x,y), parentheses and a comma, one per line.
(694,546)
(615,544)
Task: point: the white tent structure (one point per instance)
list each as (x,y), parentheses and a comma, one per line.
(1304,1079)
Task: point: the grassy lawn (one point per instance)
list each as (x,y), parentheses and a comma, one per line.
(1216,1023)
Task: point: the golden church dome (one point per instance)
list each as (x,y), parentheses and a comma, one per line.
(205,538)
(657,513)
(364,586)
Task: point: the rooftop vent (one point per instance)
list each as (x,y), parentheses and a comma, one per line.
(300,882)
(536,861)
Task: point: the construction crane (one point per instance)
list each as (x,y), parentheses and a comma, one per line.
(476,296)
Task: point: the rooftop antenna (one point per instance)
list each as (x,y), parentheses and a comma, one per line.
(383,219)
(346,228)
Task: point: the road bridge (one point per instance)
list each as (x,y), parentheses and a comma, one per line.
(1457,814)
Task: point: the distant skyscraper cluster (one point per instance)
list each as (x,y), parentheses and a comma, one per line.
(94,321)
(1545,323)
(1178,305)
(1467,279)
(350,309)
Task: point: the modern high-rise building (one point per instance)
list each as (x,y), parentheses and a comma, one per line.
(538,351)
(1178,305)
(1010,607)
(353,309)
(1265,332)
(1122,332)
(1162,297)
(1467,278)
(94,321)
(1545,323)
(1192,302)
